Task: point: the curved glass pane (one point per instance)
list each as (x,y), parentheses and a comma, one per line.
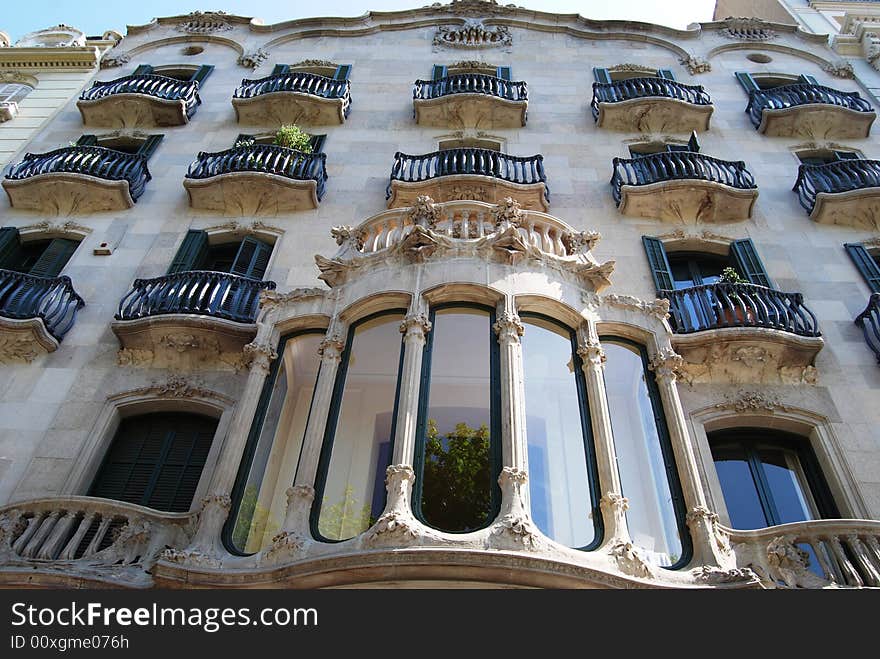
(559,482)
(264,499)
(354,490)
(457,464)
(651,517)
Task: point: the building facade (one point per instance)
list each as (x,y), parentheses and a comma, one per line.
(523,300)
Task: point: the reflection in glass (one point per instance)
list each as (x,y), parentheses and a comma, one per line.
(651,517)
(457,469)
(559,482)
(360,443)
(264,500)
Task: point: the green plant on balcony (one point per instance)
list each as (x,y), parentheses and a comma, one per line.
(292,136)
(740,311)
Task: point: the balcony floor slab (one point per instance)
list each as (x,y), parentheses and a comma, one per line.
(22,341)
(470,111)
(654,115)
(816,121)
(132,111)
(688,201)
(468,187)
(278,108)
(66,193)
(251,193)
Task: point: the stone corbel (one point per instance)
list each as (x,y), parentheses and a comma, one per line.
(514,528)
(629,560)
(291,543)
(711,542)
(397,525)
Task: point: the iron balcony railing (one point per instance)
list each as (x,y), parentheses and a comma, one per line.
(678,165)
(297,81)
(471,83)
(96,161)
(53,299)
(714,306)
(264,158)
(157,86)
(869,321)
(482,162)
(834,177)
(203,292)
(789,96)
(626,90)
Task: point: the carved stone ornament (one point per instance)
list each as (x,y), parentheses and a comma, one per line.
(580,242)
(591,352)
(508,327)
(192,558)
(314,63)
(514,528)
(68,227)
(629,561)
(634,68)
(396,525)
(349,239)
(716,576)
(253,58)
(415,323)
(473,34)
(667,364)
(790,564)
(658,308)
(839,69)
(207,22)
(176,387)
(271,299)
(696,65)
(472,64)
(331,346)
(507,214)
(112,60)
(18,348)
(700,515)
(474,8)
(752,401)
(747,29)
(259,355)
(424,212)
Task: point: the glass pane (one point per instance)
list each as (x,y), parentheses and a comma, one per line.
(558,478)
(457,472)
(784,477)
(651,516)
(354,490)
(264,500)
(738,486)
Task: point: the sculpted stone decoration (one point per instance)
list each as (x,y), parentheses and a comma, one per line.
(472,64)
(424,213)
(790,564)
(474,8)
(658,308)
(508,327)
(614,506)
(702,520)
(752,401)
(473,34)
(396,525)
(204,551)
(716,576)
(415,323)
(253,58)
(743,359)
(666,365)
(19,348)
(111,61)
(747,29)
(839,69)
(634,68)
(207,22)
(291,543)
(259,355)
(629,561)
(175,387)
(64,228)
(580,242)
(591,352)
(270,299)
(314,63)
(514,529)
(349,239)
(696,65)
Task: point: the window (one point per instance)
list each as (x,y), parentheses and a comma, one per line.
(755,81)
(247,258)
(156,460)
(139,146)
(649,148)
(274,444)
(439,71)
(826,156)
(458,448)
(40,258)
(360,430)
(867,263)
(610,75)
(769,478)
(13,92)
(341,72)
(645,461)
(182,73)
(563,478)
(469,143)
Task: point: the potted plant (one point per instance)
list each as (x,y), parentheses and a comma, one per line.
(292,136)
(740,313)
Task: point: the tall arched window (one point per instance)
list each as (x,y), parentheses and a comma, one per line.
(270,460)
(458,447)
(350,491)
(563,479)
(645,461)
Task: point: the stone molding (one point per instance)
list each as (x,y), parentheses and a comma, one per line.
(473,34)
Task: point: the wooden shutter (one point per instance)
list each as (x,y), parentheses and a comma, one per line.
(54,258)
(865,264)
(601,75)
(252,258)
(807,80)
(503,72)
(665,73)
(439,71)
(317,142)
(694,143)
(279,69)
(10,243)
(660,270)
(142,70)
(192,253)
(342,72)
(149,145)
(749,263)
(87,140)
(747,81)
(201,73)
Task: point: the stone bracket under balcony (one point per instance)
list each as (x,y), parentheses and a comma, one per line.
(747,355)
(816,121)
(133,111)
(688,201)
(287,107)
(854,208)
(183,342)
(530,196)
(654,115)
(22,341)
(483,111)
(251,193)
(62,193)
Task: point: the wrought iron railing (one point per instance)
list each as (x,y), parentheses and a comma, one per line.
(157,86)
(264,158)
(625,90)
(202,292)
(298,81)
(482,162)
(96,161)
(676,165)
(50,298)
(834,177)
(471,83)
(714,306)
(869,321)
(789,96)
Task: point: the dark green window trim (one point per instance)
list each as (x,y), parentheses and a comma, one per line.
(865,264)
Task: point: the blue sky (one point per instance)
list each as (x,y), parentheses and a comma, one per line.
(96,16)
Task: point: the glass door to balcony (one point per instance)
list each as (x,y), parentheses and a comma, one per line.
(689,271)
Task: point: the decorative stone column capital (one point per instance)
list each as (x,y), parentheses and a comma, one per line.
(513,477)
(508,327)
(331,347)
(667,365)
(259,356)
(507,214)
(397,525)
(425,213)
(416,325)
(591,352)
(300,493)
(614,501)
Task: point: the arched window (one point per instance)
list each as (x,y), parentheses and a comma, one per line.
(13,92)
(350,490)
(563,479)
(458,447)
(645,461)
(275,442)
(156,460)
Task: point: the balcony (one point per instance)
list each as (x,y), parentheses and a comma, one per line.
(810,111)
(468,173)
(35,314)
(295,97)
(651,105)
(139,101)
(869,321)
(472,100)
(188,319)
(261,179)
(845,192)
(743,333)
(77,179)
(683,186)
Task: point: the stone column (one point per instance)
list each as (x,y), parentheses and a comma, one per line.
(509,329)
(612,502)
(414,329)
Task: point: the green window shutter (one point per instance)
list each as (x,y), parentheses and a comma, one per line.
(87,140)
(807,80)
(665,73)
(150,145)
(54,258)
(201,73)
(317,142)
(342,72)
(252,258)
(279,69)
(749,263)
(503,72)
(865,264)
(660,270)
(142,70)
(10,243)
(601,75)
(747,81)
(192,252)
(438,72)
(694,143)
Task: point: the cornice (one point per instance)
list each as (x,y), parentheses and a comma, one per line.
(78,57)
